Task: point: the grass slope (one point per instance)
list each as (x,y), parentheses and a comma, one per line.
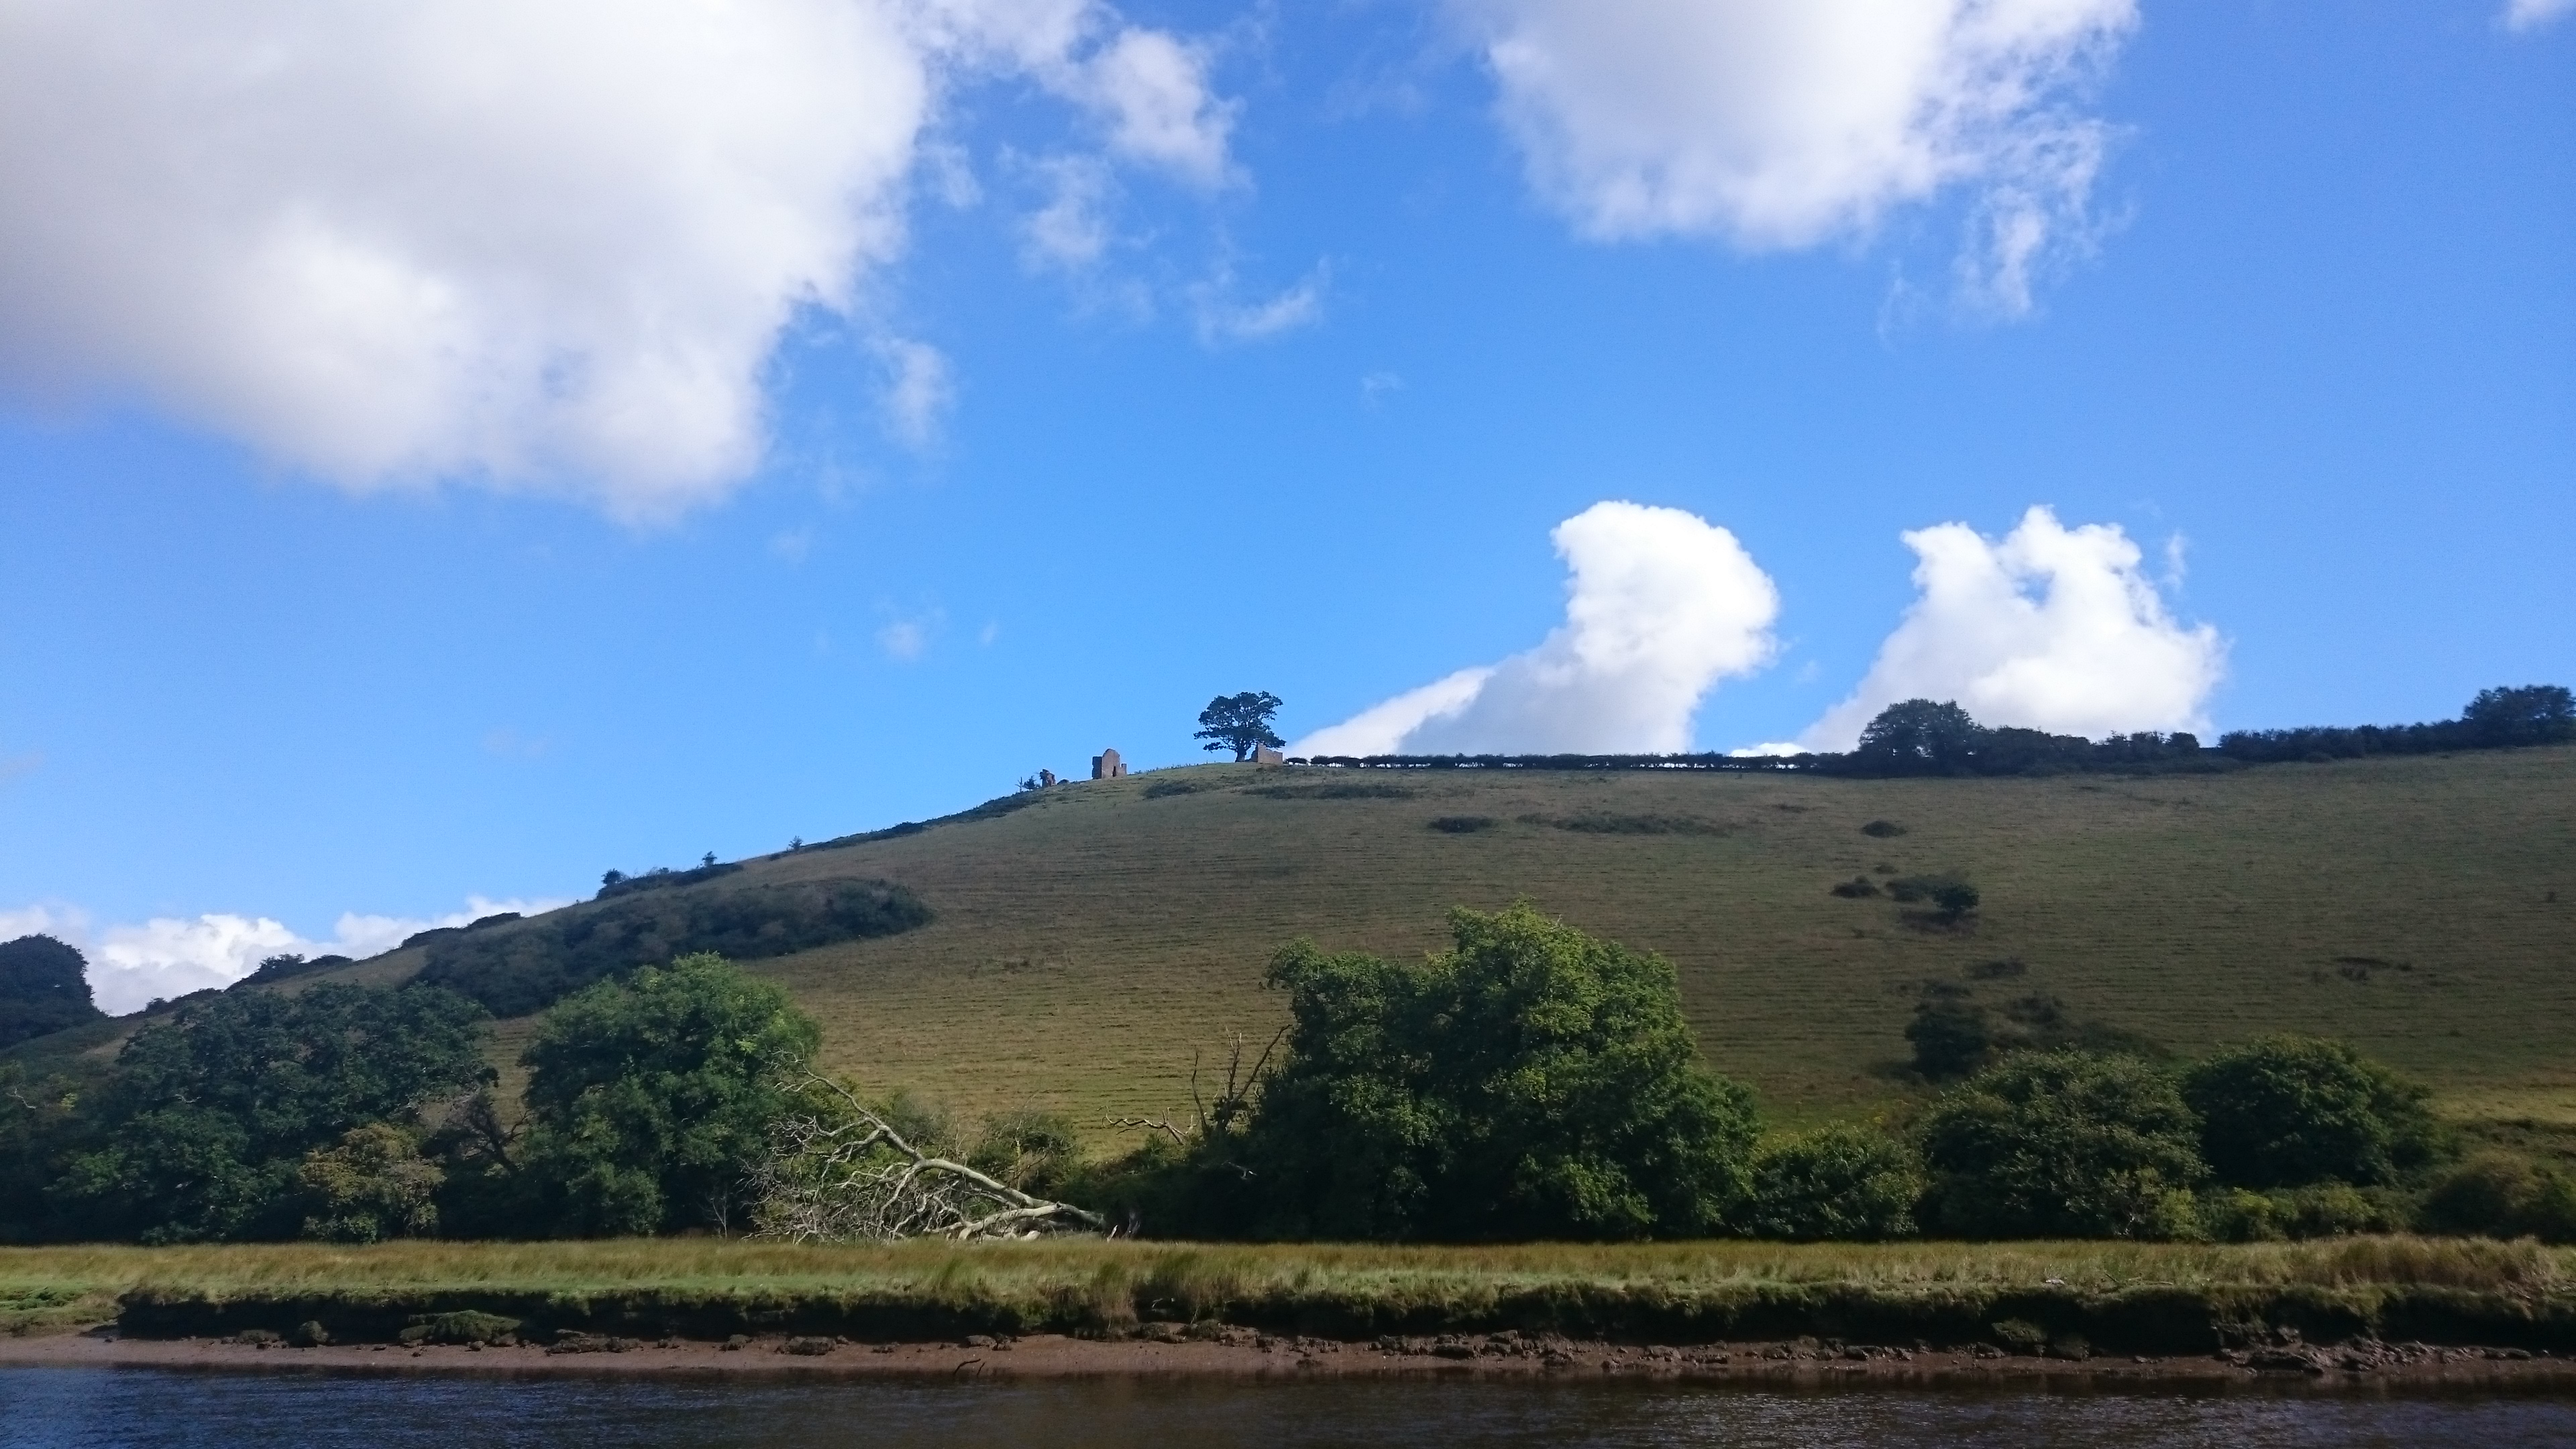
(2424,907)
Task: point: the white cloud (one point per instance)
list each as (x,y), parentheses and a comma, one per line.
(1222,320)
(906,640)
(919,393)
(542,245)
(1784,123)
(1071,231)
(2048,628)
(1661,606)
(2523,15)
(130,965)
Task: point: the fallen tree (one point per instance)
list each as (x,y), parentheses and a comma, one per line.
(840,1172)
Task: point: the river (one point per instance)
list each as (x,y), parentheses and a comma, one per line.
(89,1408)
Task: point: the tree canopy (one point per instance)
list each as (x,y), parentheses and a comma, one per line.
(2061,1144)
(211,1112)
(1919,736)
(44,987)
(650,1098)
(1531,1082)
(1239,722)
(2283,1111)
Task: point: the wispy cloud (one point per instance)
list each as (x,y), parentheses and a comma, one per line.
(2528,15)
(1221,319)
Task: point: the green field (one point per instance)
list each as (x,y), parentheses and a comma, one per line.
(2161,1298)
(2423,907)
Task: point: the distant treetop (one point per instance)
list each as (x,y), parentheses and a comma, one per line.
(1239,722)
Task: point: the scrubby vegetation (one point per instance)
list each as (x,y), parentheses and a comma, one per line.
(521,969)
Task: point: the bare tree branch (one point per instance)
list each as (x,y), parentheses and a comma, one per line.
(850,1175)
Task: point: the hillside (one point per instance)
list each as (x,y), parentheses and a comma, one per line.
(2423,907)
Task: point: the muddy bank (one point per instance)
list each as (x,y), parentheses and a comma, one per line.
(2287,1363)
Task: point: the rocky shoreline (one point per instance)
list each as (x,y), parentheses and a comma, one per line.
(1167,1350)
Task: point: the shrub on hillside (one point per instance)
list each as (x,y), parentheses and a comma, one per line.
(1531,1082)
(2062,1144)
(2286,1110)
(519,969)
(1841,1182)
(2503,1195)
(2319,1210)
(649,1099)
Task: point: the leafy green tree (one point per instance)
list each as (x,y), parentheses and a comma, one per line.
(210,1113)
(1840,1182)
(2535,714)
(1531,1082)
(2503,1195)
(44,987)
(2281,1111)
(1919,737)
(2062,1145)
(371,1185)
(649,1098)
(1239,722)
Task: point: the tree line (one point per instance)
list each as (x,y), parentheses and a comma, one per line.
(1532,1082)
(1931,737)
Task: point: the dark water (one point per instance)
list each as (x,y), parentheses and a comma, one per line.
(86,1407)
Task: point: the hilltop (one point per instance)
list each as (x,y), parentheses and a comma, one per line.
(1087,939)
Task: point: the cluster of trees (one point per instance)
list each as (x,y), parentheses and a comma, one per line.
(353,1113)
(1530,1082)
(527,967)
(1533,1082)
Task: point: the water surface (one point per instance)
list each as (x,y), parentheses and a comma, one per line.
(81,1408)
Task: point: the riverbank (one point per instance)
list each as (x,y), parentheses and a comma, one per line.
(1247,1354)
(2045,1302)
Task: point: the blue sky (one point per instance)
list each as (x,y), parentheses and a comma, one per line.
(410,504)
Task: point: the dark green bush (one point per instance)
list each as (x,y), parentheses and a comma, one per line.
(1840,1182)
(2062,1145)
(2503,1195)
(1951,1035)
(1859,887)
(518,969)
(1463,824)
(1531,1082)
(2286,1110)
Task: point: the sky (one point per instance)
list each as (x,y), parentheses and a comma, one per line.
(447,452)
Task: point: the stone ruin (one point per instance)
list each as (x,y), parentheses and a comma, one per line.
(1264,755)
(1107,766)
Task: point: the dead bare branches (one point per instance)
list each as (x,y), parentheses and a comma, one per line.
(842,1172)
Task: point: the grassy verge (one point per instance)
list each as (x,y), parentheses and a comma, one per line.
(2118,1297)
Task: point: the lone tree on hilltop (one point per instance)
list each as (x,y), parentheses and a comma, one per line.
(1239,722)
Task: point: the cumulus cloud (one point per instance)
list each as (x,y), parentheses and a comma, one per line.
(1661,605)
(2049,627)
(1784,123)
(543,245)
(130,965)
(2520,15)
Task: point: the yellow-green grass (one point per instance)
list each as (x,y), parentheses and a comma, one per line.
(2517,1288)
(2424,908)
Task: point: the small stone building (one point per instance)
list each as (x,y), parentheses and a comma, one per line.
(1264,755)
(1107,766)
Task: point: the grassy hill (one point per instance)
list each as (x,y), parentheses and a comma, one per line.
(2424,907)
